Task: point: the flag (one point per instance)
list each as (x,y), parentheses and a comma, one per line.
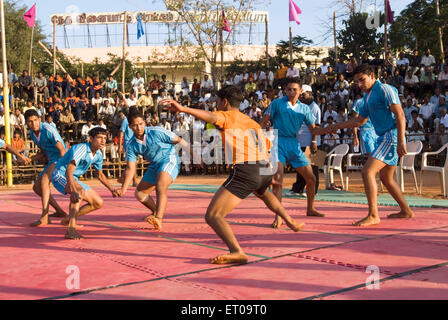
(390,17)
(225,23)
(140,31)
(294,12)
(30,16)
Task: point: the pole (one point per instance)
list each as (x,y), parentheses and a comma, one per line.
(267,42)
(222,49)
(54,49)
(123,74)
(442,53)
(6,97)
(386,18)
(335,40)
(290,43)
(31,52)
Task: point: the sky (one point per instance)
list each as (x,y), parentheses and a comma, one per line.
(314,13)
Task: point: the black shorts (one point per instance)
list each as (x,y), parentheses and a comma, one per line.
(246,179)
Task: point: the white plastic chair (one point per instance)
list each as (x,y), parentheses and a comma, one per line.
(407,162)
(351,167)
(443,171)
(335,158)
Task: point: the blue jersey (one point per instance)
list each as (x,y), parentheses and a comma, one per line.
(128,133)
(2,143)
(357,107)
(157,146)
(288,119)
(83,157)
(377,107)
(47,140)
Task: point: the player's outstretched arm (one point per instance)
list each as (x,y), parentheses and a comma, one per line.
(22,159)
(203,115)
(352,123)
(129,175)
(102,178)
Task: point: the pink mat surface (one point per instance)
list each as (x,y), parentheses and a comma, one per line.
(123,258)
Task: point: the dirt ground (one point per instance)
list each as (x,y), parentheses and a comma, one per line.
(431,183)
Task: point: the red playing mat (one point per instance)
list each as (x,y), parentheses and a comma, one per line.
(123,258)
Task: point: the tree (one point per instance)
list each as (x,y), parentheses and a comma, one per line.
(417,27)
(18,39)
(299,44)
(203,19)
(356,38)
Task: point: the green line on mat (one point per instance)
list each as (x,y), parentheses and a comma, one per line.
(359,286)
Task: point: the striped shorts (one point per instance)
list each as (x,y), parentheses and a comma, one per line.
(171,166)
(386,148)
(60,181)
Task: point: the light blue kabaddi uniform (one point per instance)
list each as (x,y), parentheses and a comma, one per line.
(376,107)
(2,143)
(157,147)
(127,132)
(288,120)
(84,158)
(46,141)
(368,136)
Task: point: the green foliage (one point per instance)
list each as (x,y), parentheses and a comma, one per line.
(356,38)
(299,44)
(417,27)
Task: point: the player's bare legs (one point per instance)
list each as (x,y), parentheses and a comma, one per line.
(143,195)
(164,180)
(310,179)
(369,172)
(277,190)
(387,177)
(275,206)
(94,202)
(222,203)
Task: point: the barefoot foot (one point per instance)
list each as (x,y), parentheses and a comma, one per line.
(73,235)
(295,226)
(368,221)
(230,258)
(278,222)
(42,222)
(314,213)
(66,222)
(155,222)
(402,215)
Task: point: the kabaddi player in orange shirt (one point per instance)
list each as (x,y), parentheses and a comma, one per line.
(252,172)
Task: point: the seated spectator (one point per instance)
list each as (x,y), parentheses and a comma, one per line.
(250,86)
(408,108)
(145,102)
(416,119)
(71,101)
(18,144)
(397,81)
(185,86)
(436,99)
(196,86)
(415,133)
(67,123)
(165,124)
(324,66)
(443,78)
(402,61)
(132,100)
(330,113)
(442,118)
(111,85)
(50,121)
(255,112)
(109,98)
(428,59)
(340,67)
(138,85)
(411,82)
(320,81)
(85,130)
(206,84)
(106,111)
(427,113)
(41,86)
(415,60)
(427,81)
(17,120)
(341,79)
(293,72)
(26,86)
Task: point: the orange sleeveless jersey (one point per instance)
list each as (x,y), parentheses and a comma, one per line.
(244,139)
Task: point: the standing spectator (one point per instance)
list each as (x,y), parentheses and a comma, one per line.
(427,81)
(389,63)
(269,78)
(324,66)
(155,86)
(185,86)
(443,78)
(403,61)
(435,100)
(442,119)
(330,113)
(196,86)
(321,81)
(408,108)
(351,66)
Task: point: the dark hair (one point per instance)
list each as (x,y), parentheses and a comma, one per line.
(363,69)
(293,81)
(414,111)
(232,94)
(96,131)
(31,113)
(330,117)
(134,114)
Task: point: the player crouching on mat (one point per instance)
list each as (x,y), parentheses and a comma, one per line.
(70,167)
(20,157)
(157,146)
(382,106)
(52,148)
(246,178)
